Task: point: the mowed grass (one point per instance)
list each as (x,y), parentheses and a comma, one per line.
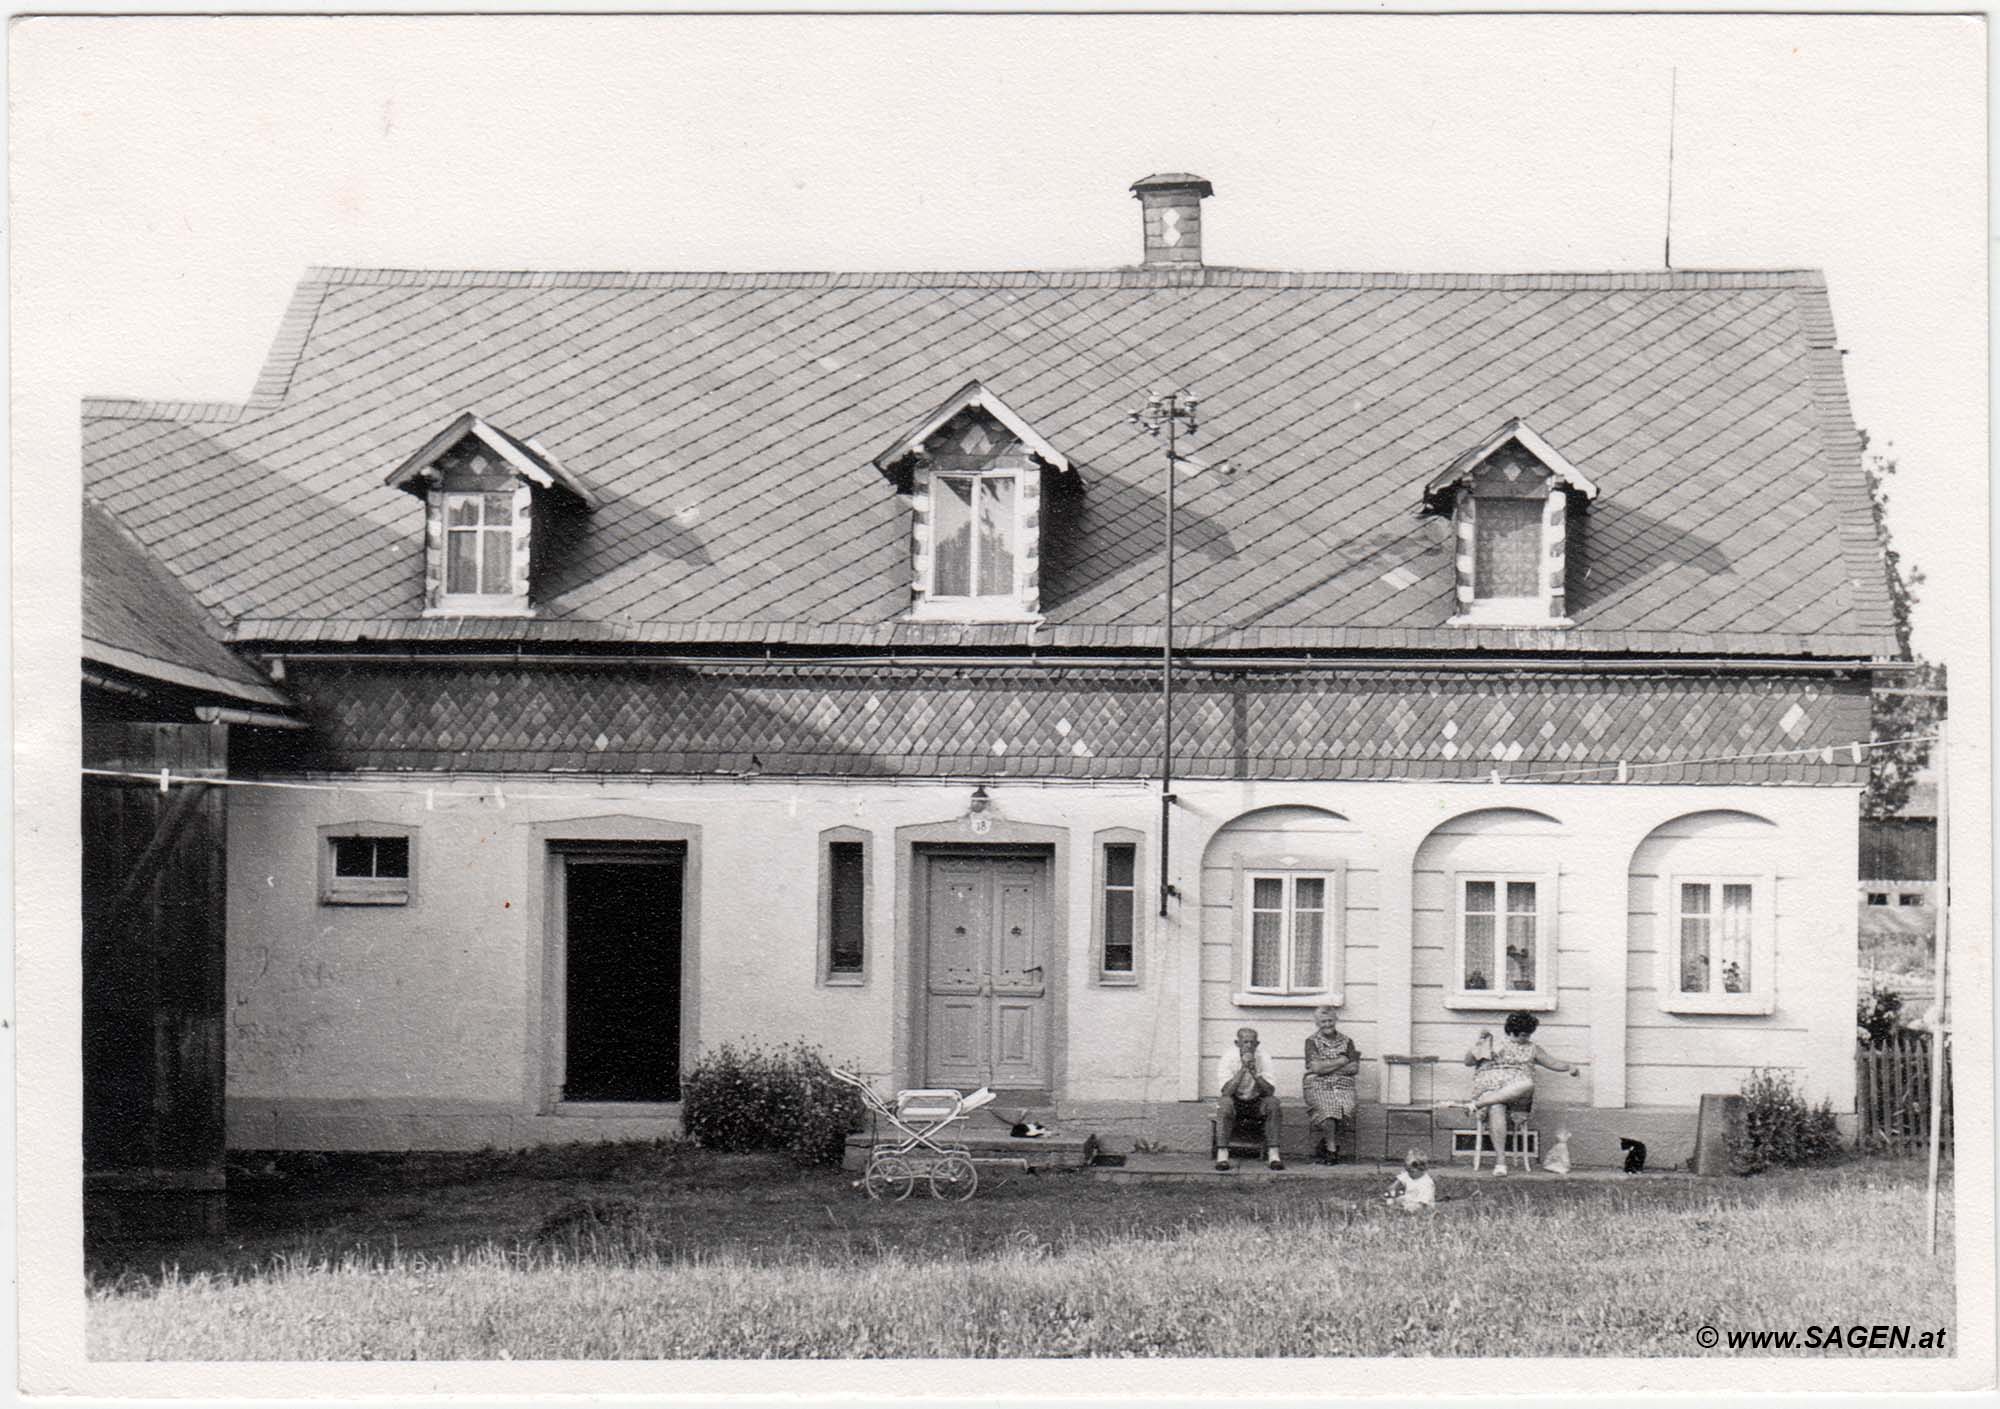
(649,1252)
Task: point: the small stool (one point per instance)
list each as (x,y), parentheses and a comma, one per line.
(1519,1141)
(1404,1122)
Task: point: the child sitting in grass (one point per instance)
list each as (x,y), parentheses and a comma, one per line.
(1415,1190)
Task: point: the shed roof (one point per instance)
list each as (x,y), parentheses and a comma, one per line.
(137,618)
(726,424)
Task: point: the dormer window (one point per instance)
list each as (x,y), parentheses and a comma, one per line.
(484,493)
(974,472)
(1509,500)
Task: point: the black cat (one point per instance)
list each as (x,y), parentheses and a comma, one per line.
(1635,1155)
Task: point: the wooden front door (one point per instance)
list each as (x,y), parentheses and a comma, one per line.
(986,1003)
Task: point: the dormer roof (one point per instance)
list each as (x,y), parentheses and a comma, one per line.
(527,458)
(974,394)
(1518,432)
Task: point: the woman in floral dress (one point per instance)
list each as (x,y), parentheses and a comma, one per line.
(1332,1060)
(1503,1078)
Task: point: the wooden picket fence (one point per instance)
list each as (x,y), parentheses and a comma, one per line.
(1892,1095)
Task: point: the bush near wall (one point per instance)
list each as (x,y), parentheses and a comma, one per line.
(749,1097)
(1779,1128)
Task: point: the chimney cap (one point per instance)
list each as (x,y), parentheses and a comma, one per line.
(1172,181)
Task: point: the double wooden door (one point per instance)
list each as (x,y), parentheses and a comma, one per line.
(987,939)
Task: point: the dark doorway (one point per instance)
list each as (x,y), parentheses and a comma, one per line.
(622,975)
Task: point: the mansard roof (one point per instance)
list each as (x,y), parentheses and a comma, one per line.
(726,424)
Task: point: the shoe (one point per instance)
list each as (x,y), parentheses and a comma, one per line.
(1277,1163)
(1323,1157)
(1222,1164)
(1498,1169)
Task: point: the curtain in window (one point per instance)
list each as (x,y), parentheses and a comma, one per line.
(1308,932)
(1521,898)
(1735,945)
(1120,859)
(1697,925)
(1479,923)
(996,537)
(1267,923)
(1507,557)
(951,522)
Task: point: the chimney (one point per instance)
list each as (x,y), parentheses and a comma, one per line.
(1170,204)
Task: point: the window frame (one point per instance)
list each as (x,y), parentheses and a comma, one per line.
(1548,909)
(828,976)
(1010,605)
(1761,996)
(1333,935)
(513,602)
(1109,837)
(366,890)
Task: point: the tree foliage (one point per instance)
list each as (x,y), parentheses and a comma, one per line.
(1898,715)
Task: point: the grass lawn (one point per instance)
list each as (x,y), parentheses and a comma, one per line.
(650,1251)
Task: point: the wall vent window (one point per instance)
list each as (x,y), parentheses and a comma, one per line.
(1911,898)
(1878,897)
(365,869)
(1121,862)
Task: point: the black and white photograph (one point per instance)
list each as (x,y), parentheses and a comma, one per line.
(1248,703)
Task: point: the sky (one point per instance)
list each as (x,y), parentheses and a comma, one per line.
(174,177)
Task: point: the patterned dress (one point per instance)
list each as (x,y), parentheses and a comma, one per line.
(1513,1058)
(1329,1097)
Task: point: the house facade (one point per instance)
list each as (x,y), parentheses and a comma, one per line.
(690,658)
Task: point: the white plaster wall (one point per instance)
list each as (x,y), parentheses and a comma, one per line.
(440,1003)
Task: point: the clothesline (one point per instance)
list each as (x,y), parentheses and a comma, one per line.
(430,792)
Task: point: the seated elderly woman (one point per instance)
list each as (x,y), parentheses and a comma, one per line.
(1503,1078)
(1332,1060)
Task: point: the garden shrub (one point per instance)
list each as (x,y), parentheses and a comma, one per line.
(1880,1014)
(1779,1128)
(749,1097)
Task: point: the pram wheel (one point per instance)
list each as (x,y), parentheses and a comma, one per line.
(954,1178)
(889,1177)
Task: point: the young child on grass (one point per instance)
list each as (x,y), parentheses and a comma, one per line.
(1415,1190)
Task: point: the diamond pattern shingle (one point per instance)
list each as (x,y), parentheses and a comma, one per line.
(1083,722)
(727,422)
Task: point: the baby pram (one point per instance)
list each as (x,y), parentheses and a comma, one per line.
(922,1147)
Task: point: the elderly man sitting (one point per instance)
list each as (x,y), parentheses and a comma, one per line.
(1248,1093)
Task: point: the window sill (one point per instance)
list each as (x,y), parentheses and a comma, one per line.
(1524,619)
(365,898)
(473,609)
(1002,612)
(1502,1002)
(1328,998)
(1731,1004)
(844,980)
(1117,980)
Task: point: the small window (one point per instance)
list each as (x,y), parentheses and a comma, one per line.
(1910,898)
(1504,937)
(479,544)
(1286,944)
(843,905)
(1878,897)
(365,868)
(845,889)
(1121,904)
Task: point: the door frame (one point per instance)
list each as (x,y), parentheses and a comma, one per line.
(915,845)
(550,843)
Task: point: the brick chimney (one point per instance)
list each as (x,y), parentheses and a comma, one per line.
(1170,203)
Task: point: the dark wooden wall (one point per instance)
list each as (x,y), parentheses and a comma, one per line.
(153,925)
